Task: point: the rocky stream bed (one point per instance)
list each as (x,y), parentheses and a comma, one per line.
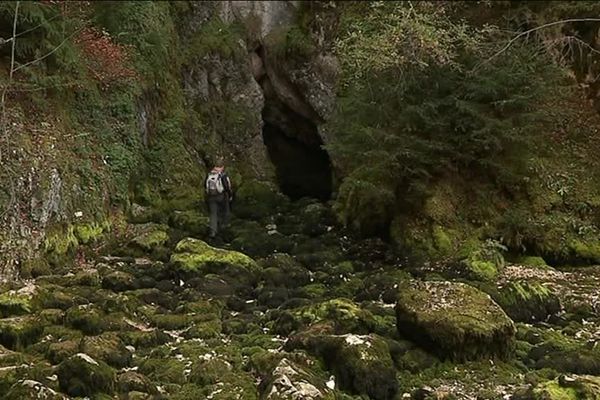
(288,306)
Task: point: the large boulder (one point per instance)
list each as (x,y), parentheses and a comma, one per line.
(258,199)
(362,364)
(149,237)
(549,348)
(525,301)
(81,375)
(260,240)
(107,347)
(14,303)
(19,332)
(194,257)
(344,315)
(284,270)
(453,320)
(291,381)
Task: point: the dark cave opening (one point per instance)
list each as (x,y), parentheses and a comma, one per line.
(291,136)
(303,167)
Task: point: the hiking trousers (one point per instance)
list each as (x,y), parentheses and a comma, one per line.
(218,208)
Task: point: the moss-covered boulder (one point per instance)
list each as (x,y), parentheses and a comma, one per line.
(381,285)
(525,301)
(131,381)
(19,332)
(190,221)
(61,350)
(572,387)
(283,270)
(107,347)
(316,218)
(87,277)
(195,257)
(149,237)
(259,239)
(362,364)
(118,281)
(258,200)
(13,303)
(27,389)
(290,381)
(409,357)
(343,314)
(453,320)
(81,375)
(550,348)
(164,369)
(87,318)
(146,338)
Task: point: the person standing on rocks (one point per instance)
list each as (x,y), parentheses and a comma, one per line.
(218,196)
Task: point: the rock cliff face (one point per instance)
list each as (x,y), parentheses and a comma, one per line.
(245,80)
(294,95)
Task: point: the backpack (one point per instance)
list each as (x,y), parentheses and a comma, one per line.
(214,183)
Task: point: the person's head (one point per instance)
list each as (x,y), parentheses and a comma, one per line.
(220,162)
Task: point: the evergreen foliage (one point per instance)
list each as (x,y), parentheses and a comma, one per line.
(417,101)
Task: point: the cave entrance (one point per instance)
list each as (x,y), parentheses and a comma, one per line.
(294,146)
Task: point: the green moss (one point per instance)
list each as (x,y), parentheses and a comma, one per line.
(150,240)
(553,391)
(62,241)
(525,301)
(484,260)
(345,315)
(361,364)
(108,348)
(86,278)
(145,339)
(14,304)
(442,240)
(533,261)
(131,381)
(204,330)
(313,291)
(170,321)
(52,316)
(455,319)
(215,37)
(60,351)
(81,375)
(164,370)
(87,233)
(31,389)
(585,250)
(257,200)
(189,221)
(484,270)
(19,332)
(195,256)
(88,319)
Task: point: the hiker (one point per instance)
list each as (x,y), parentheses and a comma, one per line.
(218,196)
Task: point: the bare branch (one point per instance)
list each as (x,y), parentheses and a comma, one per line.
(529,31)
(37,26)
(54,50)
(10,78)
(14,41)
